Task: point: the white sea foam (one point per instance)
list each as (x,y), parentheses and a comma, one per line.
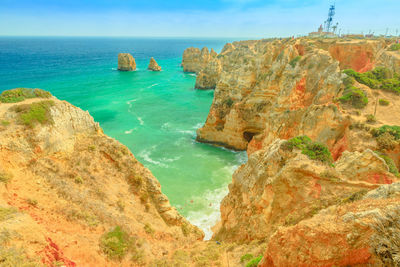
(155,84)
(146,155)
(140,120)
(198,125)
(168,160)
(130,131)
(192,74)
(166,126)
(210,214)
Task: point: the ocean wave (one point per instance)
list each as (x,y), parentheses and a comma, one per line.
(198,125)
(192,74)
(140,120)
(171,159)
(130,131)
(166,126)
(146,155)
(155,84)
(209,214)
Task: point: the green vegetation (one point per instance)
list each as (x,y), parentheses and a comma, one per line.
(5,123)
(354,197)
(313,150)
(148,229)
(20,94)
(294,61)
(5,178)
(392,166)
(384,102)
(392,130)
(394,47)
(246,257)
(116,243)
(6,213)
(386,141)
(10,257)
(254,262)
(38,112)
(380,78)
(78,180)
(371,118)
(355,96)
(32,202)
(228,102)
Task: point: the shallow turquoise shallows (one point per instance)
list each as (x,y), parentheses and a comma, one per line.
(155,114)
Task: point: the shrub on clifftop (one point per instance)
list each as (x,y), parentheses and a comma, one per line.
(313,150)
(20,94)
(394,47)
(379,78)
(116,243)
(37,112)
(355,96)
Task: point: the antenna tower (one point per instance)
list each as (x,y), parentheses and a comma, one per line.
(328,22)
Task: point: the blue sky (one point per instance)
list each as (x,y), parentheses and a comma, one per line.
(192,18)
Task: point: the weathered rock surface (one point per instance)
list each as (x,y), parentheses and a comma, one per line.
(153,65)
(363,233)
(194,60)
(277,187)
(208,78)
(73,184)
(270,90)
(126,62)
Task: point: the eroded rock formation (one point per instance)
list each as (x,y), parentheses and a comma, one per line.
(126,62)
(307,212)
(153,66)
(194,60)
(64,184)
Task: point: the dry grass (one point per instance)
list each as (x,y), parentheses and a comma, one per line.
(386,240)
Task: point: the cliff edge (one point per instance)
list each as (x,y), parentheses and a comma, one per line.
(72,195)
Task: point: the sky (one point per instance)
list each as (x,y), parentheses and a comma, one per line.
(193,18)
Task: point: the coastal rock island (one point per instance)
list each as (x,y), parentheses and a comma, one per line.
(126,62)
(153,66)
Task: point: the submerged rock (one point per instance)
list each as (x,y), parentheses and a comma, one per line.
(126,62)
(153,65)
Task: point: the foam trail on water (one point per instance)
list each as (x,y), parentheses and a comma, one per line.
(130,131)
(207,218)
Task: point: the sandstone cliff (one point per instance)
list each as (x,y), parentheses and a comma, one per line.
(126,62)
(309,203)
(194,60)
(64,187)
(153,65)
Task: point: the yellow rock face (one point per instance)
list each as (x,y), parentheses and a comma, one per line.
(126,62)
(153,65)
(69,184)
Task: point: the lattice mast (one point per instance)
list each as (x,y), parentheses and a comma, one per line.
(329,21)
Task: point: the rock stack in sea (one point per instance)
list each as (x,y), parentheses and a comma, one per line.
(153,65)
(126,62)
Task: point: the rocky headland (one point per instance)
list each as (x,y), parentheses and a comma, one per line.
(153,65)
(67,189)
(126,62)
(319,121)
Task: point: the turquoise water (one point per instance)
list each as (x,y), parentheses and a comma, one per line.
(155,114)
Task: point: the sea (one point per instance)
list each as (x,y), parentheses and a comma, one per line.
(155,114)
